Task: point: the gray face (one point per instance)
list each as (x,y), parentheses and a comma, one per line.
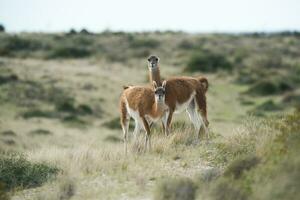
(160,94)
(153,62)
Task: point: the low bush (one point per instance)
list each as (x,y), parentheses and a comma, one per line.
(143,42)
(8,79)
(227,189)
(291,99)
(18,43)
(175,189)
(208,62)
(3,193)
(8,133)
(40,132)
(240,165)
(268,105)
(269,87)
(69,52)
(115,123)
(17,171)
(2,28)
(112,139)
(39,113)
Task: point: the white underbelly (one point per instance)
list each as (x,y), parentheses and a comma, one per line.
(133,113)
(183,106)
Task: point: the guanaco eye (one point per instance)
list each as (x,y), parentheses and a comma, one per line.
(156,59)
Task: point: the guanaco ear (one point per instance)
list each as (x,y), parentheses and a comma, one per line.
(154,84)
(164,84)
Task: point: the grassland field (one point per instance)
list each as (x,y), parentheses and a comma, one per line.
(59,98)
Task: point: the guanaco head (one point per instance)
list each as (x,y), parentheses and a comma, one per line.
(153,62)
(160,92)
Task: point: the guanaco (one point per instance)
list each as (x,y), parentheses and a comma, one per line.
(145,105)
(182,93)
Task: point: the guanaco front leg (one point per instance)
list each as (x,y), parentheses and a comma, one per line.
(170,115)
(148,136)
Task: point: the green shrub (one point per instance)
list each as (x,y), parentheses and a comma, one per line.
(69,52)
(17,43)
(112,139)
(144,42)
(40,132)
(8,133)
(113,124)
(3,193)
(69,107)
(2,28)
(268,105)
(175,189)
(241,164)
(84,109)
(227,189)
(66,106)
(186,44)
(292,99)
(208,62)
(40,113)
(269,87)
(73,119)
(8,79)
(17,171)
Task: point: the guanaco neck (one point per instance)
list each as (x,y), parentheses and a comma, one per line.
(154,75)
(158,108)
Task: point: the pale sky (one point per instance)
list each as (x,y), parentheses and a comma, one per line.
(141,15)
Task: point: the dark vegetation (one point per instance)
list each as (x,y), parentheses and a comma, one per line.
(40,132)
(44,100)
(17,172)
(208,62)
(175,189)
(2,28)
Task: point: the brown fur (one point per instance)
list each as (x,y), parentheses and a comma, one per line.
(140,99)
(179,89)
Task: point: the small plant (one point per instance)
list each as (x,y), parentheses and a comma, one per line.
(2,28)
(40,113)
(227,189)
(40,132)
(67,189)
(17,171)
(268,105)
(112,139)
(8,79)
(115,123)
(70,52)
(3,193)
(8,133)
(240,165)
(207,62)
(175,189)
(269,87)
(145,42)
